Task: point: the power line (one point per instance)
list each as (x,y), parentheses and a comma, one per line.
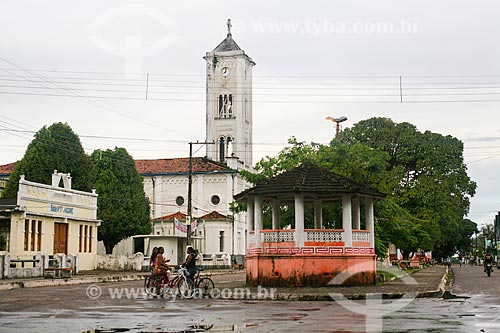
(285,76)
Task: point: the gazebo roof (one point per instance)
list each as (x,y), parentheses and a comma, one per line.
(312,181)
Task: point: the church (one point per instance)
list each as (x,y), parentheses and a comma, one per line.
(215,178)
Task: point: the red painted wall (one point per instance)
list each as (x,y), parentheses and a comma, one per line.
(312,271)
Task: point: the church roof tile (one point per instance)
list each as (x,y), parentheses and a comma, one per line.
(178,165)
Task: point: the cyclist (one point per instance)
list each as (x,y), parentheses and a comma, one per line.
(161,266)
(190,263)
(152,260)
(488,259)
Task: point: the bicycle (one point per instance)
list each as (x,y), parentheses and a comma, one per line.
(157,284)
(203,283)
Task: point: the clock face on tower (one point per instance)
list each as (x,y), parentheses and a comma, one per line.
(225,71)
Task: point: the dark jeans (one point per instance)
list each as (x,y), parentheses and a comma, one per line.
(192,272)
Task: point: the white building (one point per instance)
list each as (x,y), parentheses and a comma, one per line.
(214,179)
(50,219)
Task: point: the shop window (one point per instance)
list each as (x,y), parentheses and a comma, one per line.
(39,236)
(26,234)
(33,234)
(4,234)
(80,240)
(85,228)
(90,239)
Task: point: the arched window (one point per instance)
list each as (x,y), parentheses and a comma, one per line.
(222,149)
(225,106)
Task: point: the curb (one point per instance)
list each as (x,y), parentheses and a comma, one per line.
(67,281)
(253,296)
(75,280)
(437,293)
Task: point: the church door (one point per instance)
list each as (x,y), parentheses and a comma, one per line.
(61,238)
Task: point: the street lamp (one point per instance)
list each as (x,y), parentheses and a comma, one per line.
(337,122)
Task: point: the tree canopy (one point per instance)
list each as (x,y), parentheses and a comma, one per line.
(55,147)
(434,186)
(123,206)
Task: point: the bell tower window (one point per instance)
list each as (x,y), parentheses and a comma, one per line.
(221,149)
(225,148)
(225,106)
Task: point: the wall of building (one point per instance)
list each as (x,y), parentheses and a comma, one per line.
(164,189)
(120,262)
(213,240)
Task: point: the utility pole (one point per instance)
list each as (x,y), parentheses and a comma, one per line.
(189,216)
(190,190)
(496,226)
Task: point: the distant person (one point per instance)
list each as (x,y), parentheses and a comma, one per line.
(488,259)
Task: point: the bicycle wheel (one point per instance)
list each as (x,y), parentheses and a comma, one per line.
(205,286)
(185,288)
(153,285)
(147,283)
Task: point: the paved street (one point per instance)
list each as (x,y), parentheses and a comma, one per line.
(79,309)
(472,280)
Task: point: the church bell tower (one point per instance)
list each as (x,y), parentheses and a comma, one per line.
(229,103)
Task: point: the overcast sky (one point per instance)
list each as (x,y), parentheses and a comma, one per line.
(314,59)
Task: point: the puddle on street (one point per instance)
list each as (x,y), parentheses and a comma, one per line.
(456,314)
(190,329)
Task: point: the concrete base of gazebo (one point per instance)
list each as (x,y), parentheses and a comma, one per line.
(310,267)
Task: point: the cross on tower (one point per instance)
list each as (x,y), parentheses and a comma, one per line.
(228,27)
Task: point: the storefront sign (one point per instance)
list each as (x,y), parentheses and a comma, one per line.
(62,209)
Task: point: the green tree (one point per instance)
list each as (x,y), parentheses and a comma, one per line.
(434,186)
(55,147)
(123,206)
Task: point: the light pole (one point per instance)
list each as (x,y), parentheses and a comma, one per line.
(337,122)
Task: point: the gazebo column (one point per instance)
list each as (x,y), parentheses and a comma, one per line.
(347,219)
(276,214)
(370,223)
(318,214)
(299,220)
(258,219)
(356,222)
(250,218)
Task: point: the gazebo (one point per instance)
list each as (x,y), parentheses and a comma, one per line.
(299,257)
